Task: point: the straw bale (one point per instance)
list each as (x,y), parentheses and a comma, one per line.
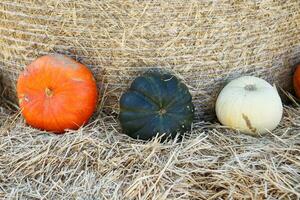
(205,43)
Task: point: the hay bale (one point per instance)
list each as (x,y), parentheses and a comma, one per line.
(1,87)
(205,43)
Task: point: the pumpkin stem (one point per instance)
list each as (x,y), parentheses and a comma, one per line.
(162,111)
(48,92)
(250,87)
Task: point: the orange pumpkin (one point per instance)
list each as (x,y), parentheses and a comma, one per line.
(296,81)
(57,93)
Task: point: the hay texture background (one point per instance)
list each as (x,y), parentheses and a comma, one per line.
(98,162)
(205,43)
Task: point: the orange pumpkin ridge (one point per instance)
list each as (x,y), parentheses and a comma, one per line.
(57,93)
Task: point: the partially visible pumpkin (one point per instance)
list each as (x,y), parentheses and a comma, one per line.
(56,93)
(249,104)
(155,104)
(296,81)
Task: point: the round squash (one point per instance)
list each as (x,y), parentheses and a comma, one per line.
(249,104)
(156,103)
(296,81)
(56,93)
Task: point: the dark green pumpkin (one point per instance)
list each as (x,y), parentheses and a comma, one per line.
(156,103)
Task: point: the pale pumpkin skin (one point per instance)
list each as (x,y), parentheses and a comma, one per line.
(249,104)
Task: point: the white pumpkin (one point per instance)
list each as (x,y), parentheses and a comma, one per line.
(249,104)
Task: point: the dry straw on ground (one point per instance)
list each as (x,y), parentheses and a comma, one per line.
(205,43)
(98,162)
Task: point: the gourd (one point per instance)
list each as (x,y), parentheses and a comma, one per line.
(249,104)
(296,81)
(56,93)
(156,104)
